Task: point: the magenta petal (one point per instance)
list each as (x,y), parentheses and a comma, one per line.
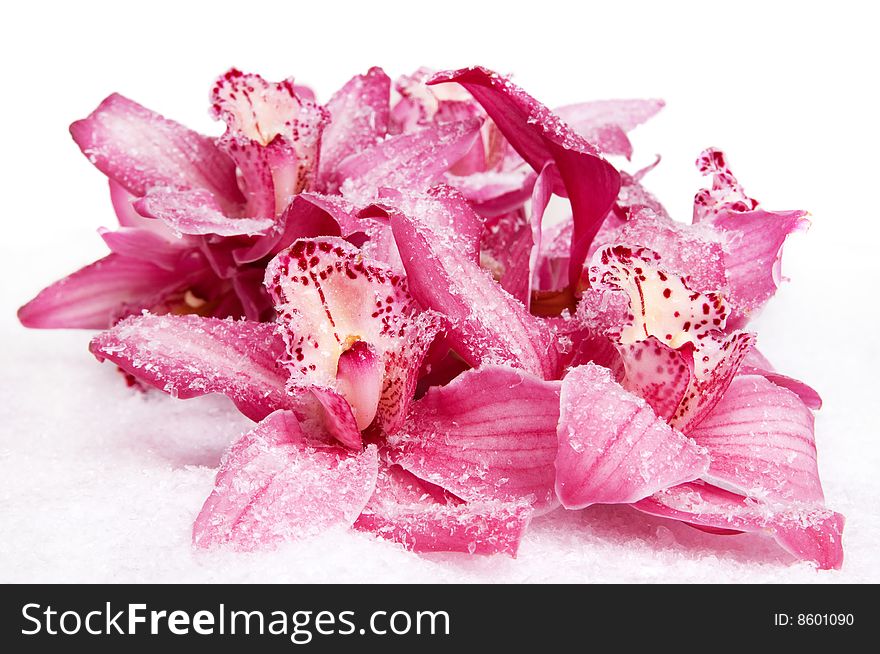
(760,441)
(140,149)
(407,162)
(497,192)
(486,324)
(810,533)
(146,244)
(358,119)
(339,420)
(716,363)
(613,448)
(403,509)
(196,212)
(308,215)
(276,485)
(490,434)
(127,215)
(604,123)
(808,395)
(92,297)
(359,378)
(188,356)
(539,136)
(753,255)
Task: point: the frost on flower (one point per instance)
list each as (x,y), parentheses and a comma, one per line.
(431,354)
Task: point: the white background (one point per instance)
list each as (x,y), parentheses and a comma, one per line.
(98,484)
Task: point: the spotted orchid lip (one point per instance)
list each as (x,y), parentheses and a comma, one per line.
(448,313)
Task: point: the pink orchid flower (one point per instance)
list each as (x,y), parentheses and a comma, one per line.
(199,217)
(439,366)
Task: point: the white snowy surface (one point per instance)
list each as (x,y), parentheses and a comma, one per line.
(101,483)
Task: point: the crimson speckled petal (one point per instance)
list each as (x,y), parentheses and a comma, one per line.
(272,134)
(330,298)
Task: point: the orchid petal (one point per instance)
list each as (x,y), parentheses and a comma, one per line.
(716,363)
(140,149)
(604,123)
(408,162)
(404,510)
(486,324)
(810,533)
(196,212)
(95,296)
(358,119)
(274,136)
(726,194)
(359,377)
(494,193)
(613,448)
(539,136)
(656,372)
(308,215)
(490,434)
(339,419)
(188,356)
(753,255)
(276,484)
(145,244)
(760,440)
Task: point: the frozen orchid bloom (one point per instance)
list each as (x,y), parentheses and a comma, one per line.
(733,246)
(352,330)
(670,337)
(151,266)
(189,240)
(272,134)
(757,433)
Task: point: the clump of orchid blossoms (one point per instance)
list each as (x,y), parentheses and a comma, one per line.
(426,358)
